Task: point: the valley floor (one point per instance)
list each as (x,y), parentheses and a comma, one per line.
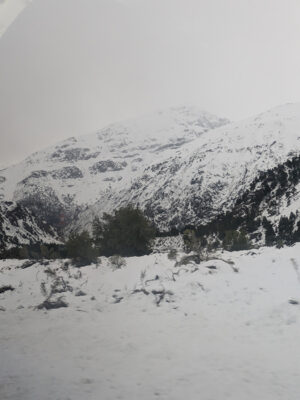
(223,329)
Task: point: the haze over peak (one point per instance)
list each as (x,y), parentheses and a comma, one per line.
(71,66)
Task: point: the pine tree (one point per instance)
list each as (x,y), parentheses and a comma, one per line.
(270,237)
(80,248)
(235,241)
(127,232)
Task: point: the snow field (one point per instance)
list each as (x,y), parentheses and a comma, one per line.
(221,329)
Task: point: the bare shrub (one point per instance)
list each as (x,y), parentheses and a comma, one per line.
(189,259)
(43,289)
(80,293)
(60,286)
(52,304)
(117,261)
(50,271)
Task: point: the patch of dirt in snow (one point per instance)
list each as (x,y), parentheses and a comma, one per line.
(222,329)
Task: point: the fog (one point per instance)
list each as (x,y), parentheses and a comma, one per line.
(69,67)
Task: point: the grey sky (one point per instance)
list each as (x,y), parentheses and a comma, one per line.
(68,67)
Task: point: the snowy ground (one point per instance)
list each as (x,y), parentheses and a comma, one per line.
(222,329)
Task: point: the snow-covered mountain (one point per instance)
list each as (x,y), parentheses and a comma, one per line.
(58,182)
(181,166)
(19,227)
(205,178)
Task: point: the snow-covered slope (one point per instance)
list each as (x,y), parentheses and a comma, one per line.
(18,227)
(181,166)
(82,170)
(227,328)
(206,177)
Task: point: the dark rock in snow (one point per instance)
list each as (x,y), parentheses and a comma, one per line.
(70,172)
(52,304)
(293,301)
(27,264)
(6,288)
(80,293)
(107,165)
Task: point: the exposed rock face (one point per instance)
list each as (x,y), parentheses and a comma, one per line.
(73,155)
(67,173)
(203,179)
(182,167)
(108,165)
(34,175)
(18,226)
(55,184)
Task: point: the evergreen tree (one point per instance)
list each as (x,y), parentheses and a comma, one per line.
(285,230)
(190,241)
(235,241)
(270,237)
(296,235)
(127,232)
(80,248)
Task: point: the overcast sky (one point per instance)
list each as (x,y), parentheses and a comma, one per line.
(69,67)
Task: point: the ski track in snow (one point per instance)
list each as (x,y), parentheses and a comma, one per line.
(217,334)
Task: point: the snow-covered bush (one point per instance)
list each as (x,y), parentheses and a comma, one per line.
(172,255)
(117,261)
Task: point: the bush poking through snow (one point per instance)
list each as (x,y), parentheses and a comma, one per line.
(293,301)
(117,298)
(190,259)
(52,304)
(172,255)
(60,286)
(50,272)
(27,264)
(43,288)
(117,261)
(80,293)
(161,295)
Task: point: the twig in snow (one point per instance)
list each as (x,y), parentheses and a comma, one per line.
(152,280)
(140,291)
(296,268)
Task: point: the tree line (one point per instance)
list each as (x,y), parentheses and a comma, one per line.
(126,232)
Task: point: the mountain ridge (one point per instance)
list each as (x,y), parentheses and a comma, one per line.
(205,178)
(182,167)
(59,181)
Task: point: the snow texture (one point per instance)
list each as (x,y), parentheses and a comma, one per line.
(81,171)
(180,166)
(19,227)
(226,328)
(203,179)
